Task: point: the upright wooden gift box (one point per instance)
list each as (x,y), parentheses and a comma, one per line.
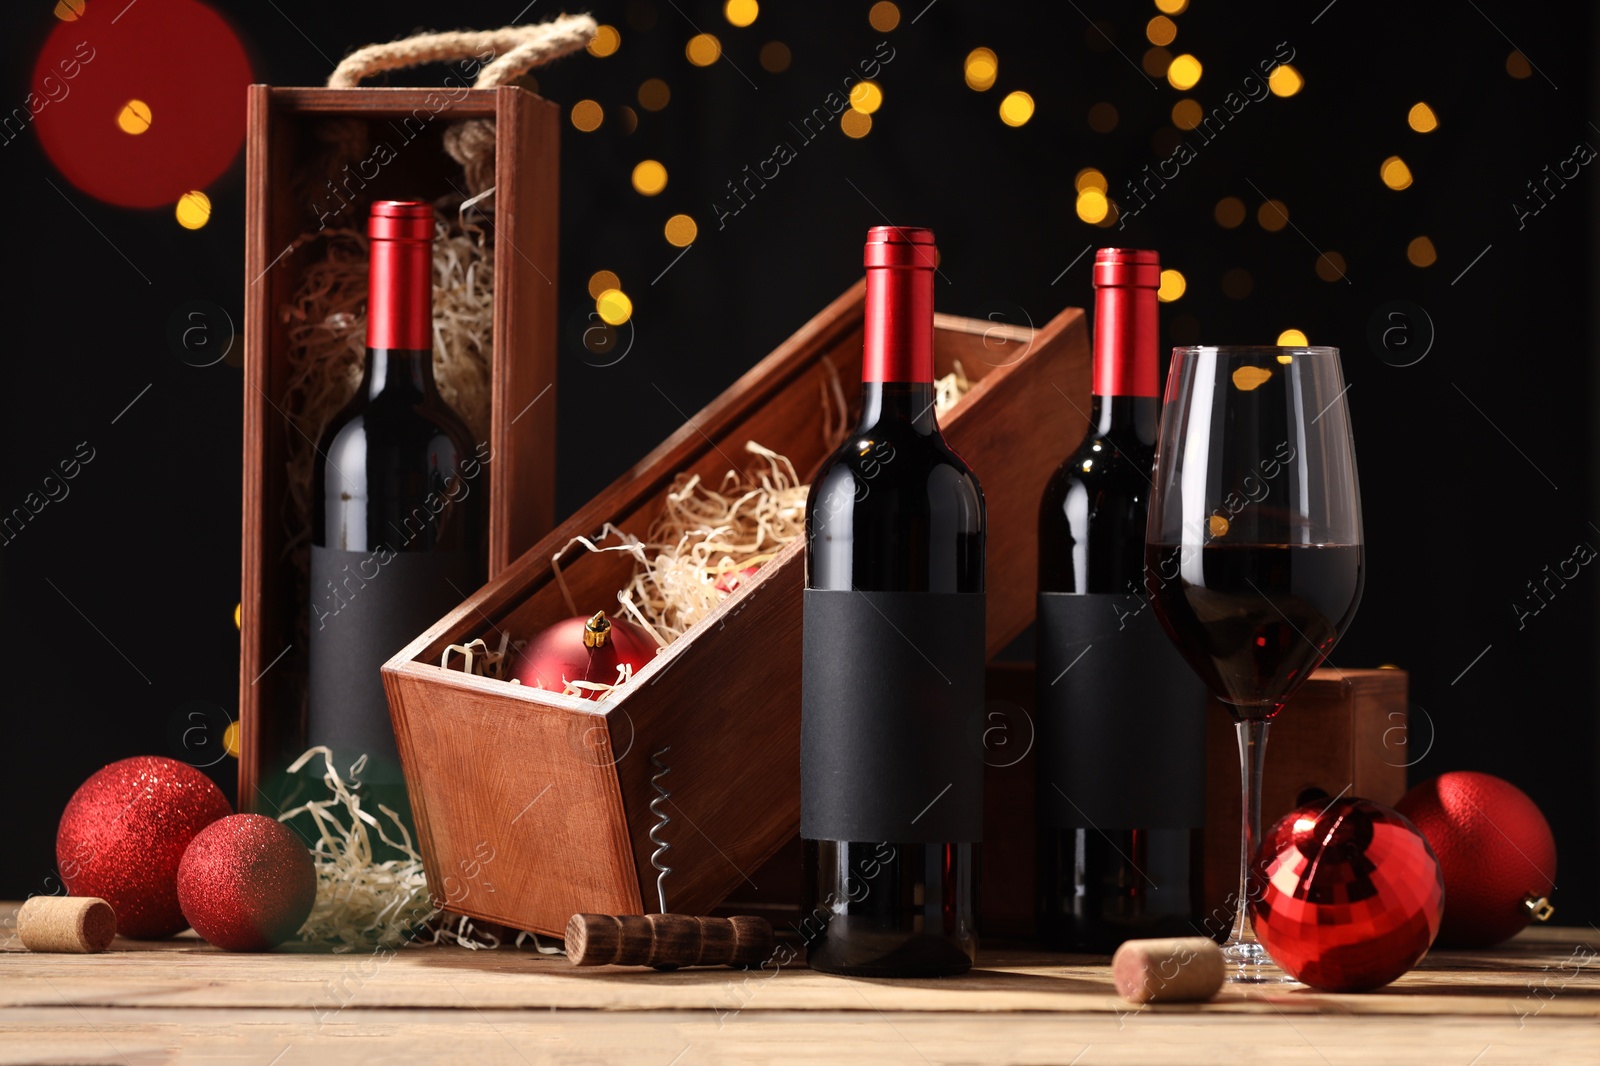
(532,806)
(287,196)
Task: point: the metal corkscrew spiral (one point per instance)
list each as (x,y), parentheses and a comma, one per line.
(663,819)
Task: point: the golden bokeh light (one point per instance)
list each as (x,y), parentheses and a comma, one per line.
(230,739)
(69,10)
(884,16)
(1172,7)
(741,12)
(1421,252)
(1187,114)
(855,124)
(1103,117)
(681,231)
(238,613)
(627,118)
(1112,214)
(600,281)
(1092,205)
(775,57)
(654,94)
(866,97)
(649,177)
(1291,338)
(1273,215)
(1161,30)
(587,115)
(1395,173)
(1218,525)
(1173,285)
(1285,80)
(703,50)
(134,117)
(1089,178)
(1016,109)
(1156,61)
(1229,212)
(193,210)
(1330,266)
(605,42)
(1248,379)
(1517,65)
(614,307)
(981,67)
(1421,118)
(1183,73)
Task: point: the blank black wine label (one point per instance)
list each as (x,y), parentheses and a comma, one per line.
(1122,718)
(891,722)
(365,607)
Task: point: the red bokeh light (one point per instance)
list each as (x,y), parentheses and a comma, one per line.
(176,56)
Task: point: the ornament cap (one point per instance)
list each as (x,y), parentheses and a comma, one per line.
(596,630)
(1539,908)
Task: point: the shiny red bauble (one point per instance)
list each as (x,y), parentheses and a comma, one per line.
(1346,896)
(1496,851)
(247,883)
(123,835)
(584,649)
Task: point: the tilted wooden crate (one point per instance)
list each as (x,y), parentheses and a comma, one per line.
(532,806)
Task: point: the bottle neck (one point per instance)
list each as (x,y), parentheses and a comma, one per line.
(400,295)
(398,372)
(1126,420)
(906,402)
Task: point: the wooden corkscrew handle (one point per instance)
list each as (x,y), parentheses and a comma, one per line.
(667,941)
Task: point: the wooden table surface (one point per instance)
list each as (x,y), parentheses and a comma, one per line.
(1534,1000)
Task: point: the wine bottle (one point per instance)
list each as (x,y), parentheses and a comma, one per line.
(1121,729)
(892,704)
(398,531)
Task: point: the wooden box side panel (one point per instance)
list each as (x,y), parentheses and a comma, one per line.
(522,497)
(731,738)
(504,792)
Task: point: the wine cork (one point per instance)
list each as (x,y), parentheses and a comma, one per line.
(1168,971)
(667,941)
(81,924)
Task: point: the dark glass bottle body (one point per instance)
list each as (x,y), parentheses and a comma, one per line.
(894,510)
(1095,887)
(399,526)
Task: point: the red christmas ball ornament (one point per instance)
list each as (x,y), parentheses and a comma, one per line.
(123,835)
(247,883)
(1496,851)
(1346,896)
(584,649)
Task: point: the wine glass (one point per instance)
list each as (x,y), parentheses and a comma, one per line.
(1253,548)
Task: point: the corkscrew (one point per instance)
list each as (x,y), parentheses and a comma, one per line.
(663,819)
(666,941)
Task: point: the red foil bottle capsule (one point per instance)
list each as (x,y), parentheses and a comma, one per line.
(1126,323)
(400,304)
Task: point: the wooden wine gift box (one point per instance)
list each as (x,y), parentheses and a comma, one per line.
(289,192)
(532,806)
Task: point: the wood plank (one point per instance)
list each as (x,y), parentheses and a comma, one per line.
(1542,974)
(866,1037)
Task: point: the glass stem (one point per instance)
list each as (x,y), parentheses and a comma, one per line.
(1252,733)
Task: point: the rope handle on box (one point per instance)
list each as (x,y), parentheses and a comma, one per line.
(517,50)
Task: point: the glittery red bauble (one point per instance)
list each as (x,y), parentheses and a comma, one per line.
(1494,847)
(1346,896)
(564,653)
(123,834)
(247,883)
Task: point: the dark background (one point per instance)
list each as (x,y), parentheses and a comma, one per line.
(1478,462)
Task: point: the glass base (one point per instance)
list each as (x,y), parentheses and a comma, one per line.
(1248,963)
